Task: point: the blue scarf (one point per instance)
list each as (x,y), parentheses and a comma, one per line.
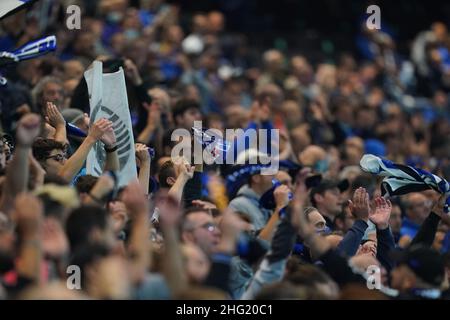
(401,179)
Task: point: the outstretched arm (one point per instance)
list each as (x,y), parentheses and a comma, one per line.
(17,172)
(429,227)
(360,209)
(385,240)
(139,244)
(144,165)
(76,161)
(174,271)
(185,172)
(28,214)
(281,195)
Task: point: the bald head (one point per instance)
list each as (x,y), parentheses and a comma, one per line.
(311,155)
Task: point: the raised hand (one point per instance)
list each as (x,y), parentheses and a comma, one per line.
(183,168)
(360,207)
(99,128)
(142,152)
(53,116)
(281,195)
(132,72)
(380,216)
(28,129)
(109,137)
(301,191)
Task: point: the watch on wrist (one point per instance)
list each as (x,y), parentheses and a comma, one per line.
(111,149)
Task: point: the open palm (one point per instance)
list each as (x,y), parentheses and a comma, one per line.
(380,216)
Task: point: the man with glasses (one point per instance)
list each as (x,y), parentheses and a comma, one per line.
(199,228)
(51,155)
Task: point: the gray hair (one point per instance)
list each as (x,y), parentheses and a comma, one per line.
(36,93)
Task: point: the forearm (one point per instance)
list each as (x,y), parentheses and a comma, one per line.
(17,172)
(269,229)
(61,134)
(427,231)
(139,245)
(192,190)
(17,175)
(352,239)
(144,176)
(338,268)
(272,267)
(76,161)
(176,191)
(173,267)
(112,162)
(146,134)
(282,242)
(386,243)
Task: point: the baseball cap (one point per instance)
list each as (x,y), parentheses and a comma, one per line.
(425,262)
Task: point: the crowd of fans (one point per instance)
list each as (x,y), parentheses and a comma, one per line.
(184,231)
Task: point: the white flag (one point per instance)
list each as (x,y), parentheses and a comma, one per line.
(6,6)
(108,99)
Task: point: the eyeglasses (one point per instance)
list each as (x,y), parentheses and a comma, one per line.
(58,157)
(209,226)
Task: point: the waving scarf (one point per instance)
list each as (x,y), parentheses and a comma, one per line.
(401,179)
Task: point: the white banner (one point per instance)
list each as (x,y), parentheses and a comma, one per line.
(108,99)
(7,6)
